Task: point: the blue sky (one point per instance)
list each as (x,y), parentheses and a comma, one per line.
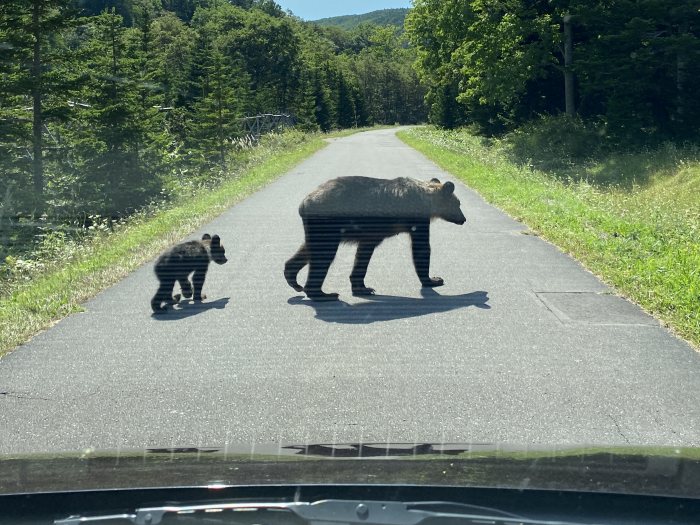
(315,9)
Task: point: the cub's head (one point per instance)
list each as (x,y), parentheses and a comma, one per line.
(445,204)
(217,253)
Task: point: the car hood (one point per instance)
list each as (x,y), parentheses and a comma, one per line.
(650,471)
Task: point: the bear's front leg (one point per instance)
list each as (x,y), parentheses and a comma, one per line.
(357,278)
(198,283)
(420,248)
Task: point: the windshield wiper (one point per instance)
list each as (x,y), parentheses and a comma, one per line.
(317,513)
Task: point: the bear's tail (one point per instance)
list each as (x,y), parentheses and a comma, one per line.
(294,265)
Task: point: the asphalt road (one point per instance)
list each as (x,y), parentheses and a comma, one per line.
(521,345)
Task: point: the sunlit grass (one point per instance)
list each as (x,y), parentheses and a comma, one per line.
(631,218)
(102,260)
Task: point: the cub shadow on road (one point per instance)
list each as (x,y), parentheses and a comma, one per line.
(380,308)
(189,308)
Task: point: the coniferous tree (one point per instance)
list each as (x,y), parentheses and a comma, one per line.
(120,167)
(324,116)
(221,91)
(345,106)
(35,84)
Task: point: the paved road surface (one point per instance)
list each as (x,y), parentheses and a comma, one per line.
(521,345)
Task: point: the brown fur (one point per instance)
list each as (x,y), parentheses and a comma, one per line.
(192,257)
(366,211)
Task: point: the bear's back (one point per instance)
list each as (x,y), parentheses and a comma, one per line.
(368,197)
(184,254)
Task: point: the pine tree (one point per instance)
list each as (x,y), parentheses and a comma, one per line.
(32,72)
(219,103)
(323,114)
(345,105)
(119,168)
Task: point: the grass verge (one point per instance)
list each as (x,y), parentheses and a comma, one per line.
(59,290)
(639,232)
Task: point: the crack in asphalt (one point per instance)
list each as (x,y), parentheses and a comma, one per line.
(19,395)
(619,430)
(30,397)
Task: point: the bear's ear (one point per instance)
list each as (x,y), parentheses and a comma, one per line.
(448,188)
(206,237)
(435,181)
(216,240)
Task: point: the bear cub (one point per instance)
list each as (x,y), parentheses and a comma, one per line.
(192,257)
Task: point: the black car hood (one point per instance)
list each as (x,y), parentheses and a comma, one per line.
(657,471)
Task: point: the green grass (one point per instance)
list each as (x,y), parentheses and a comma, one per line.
(631,218)
(57,291)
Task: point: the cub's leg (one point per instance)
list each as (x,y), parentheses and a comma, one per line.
(186,287)
(163,295)
(198,283)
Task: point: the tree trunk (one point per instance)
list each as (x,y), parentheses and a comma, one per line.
(220,122)
(681,64)
(38,123)
(568,74)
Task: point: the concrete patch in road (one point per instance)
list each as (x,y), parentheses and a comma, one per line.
(594,309)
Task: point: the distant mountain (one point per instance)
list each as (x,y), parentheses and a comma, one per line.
(383,17)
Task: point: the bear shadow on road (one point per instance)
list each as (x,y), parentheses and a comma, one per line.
(380,308)
(189,308)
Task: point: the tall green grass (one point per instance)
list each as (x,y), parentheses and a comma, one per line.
(72,271)
(632,218)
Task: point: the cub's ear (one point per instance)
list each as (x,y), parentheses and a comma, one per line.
(206,237)
(448,188)
(436,181)
(216,240)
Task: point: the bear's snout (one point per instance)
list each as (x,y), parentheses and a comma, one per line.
(458,219)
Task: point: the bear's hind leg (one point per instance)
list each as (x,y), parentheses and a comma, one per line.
(322,241)
(294,265)
(163,295)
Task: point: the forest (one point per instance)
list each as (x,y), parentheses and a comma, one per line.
(108,106)
(497,64)
(381,17)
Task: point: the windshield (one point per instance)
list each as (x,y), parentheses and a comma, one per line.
(278,224)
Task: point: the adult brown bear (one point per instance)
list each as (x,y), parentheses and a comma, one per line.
(366,211)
